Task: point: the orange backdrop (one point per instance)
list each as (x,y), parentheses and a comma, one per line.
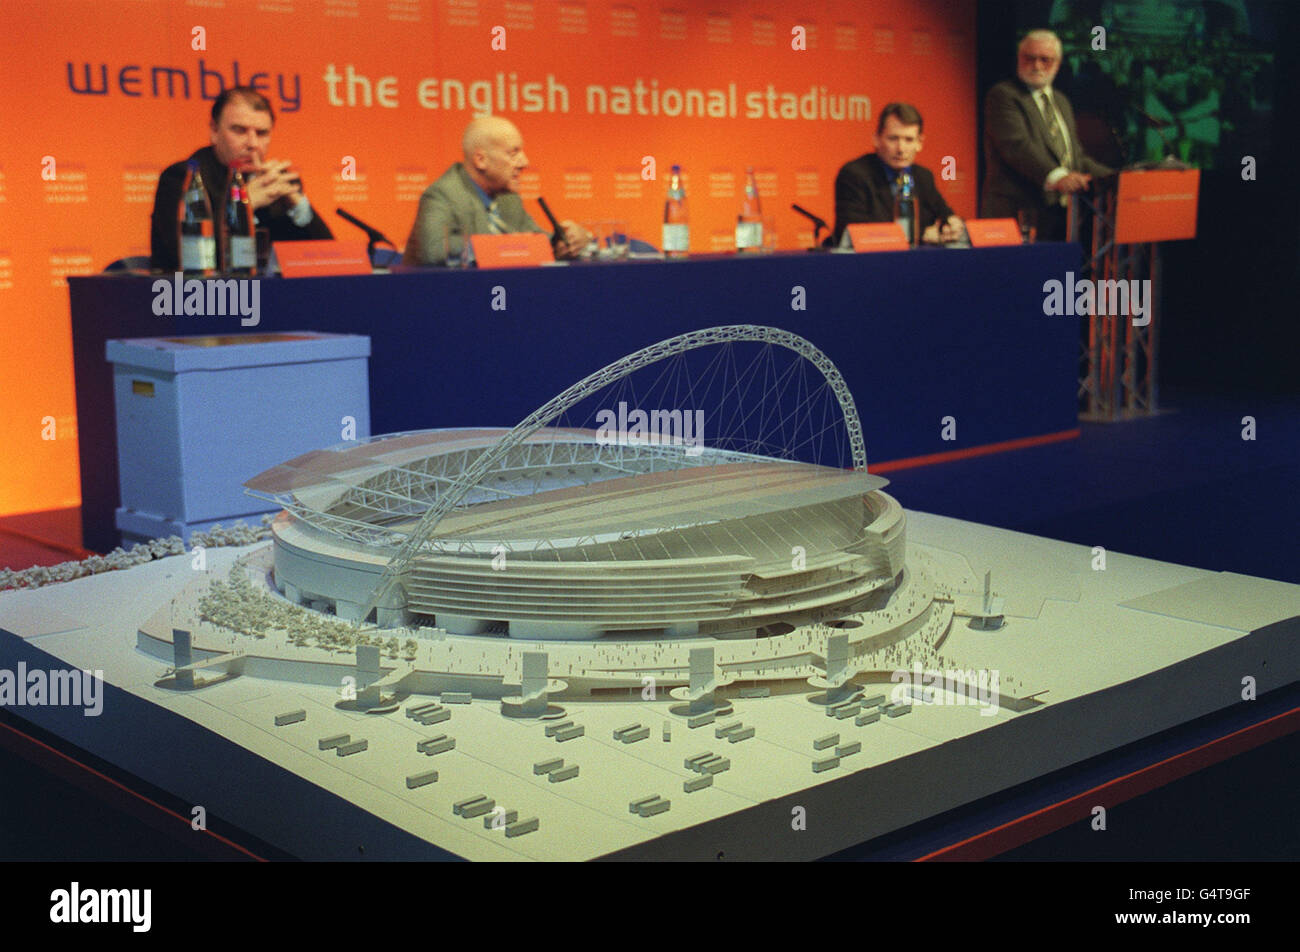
(97,96)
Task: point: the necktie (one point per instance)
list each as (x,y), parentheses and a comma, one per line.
(1054,134)
(1056,139)
(496,224)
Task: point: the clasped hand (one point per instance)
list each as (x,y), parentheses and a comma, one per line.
(950,230)
(272,182)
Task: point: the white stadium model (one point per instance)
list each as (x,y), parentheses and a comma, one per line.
(570,538)
(548,533)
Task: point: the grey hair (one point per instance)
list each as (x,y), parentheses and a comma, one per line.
(1041,35)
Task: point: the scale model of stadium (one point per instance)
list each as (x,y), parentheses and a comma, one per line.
(571,536)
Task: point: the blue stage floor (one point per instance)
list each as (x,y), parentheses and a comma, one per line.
(1182,486)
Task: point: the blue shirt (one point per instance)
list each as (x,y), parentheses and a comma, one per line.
(484,197)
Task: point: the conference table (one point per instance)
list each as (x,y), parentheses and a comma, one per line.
(946,351)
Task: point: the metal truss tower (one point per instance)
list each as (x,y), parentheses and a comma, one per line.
(1118,363)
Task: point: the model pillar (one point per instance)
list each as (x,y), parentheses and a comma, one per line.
(534,684)
(837,681)
(348,611)
(367,676)
(393,617)
(702,681)
(183,656)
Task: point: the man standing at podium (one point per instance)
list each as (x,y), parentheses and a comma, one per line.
(478,197)
(1032,155)
(241,133)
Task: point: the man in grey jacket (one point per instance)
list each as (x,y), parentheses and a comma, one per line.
(477,197)
(1032,155)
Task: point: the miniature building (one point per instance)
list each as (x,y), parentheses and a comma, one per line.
(598,539)
(421,779)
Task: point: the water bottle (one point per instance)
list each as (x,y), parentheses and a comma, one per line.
(749,224)
(196,235)
(238,246)
(905,208)
(677,229)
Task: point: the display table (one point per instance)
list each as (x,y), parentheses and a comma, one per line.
(1097,660)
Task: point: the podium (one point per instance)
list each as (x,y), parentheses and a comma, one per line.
(1131,213)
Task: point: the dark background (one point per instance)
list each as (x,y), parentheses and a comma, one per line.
(1229,309)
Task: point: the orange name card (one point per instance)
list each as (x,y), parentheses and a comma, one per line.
(314,259)
(990,232)
(512,251)
(1157,205)
(882,236)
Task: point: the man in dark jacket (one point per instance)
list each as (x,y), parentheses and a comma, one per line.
(865,187)
(241,132)
(1033,159)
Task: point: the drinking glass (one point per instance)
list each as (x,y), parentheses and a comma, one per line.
(1027,218)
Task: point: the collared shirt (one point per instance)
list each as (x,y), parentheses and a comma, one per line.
(483,196)
(468,250)
(300,214)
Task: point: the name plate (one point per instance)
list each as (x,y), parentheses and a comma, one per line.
(314,259)
(991,232)
(523,250)
(881,236)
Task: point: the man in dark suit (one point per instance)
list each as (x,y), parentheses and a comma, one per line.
(477,197)
(241,132)
(865,187)
(1033,159)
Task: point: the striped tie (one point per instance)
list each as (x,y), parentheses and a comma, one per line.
(1056,138)
(1054,134)
(496,224)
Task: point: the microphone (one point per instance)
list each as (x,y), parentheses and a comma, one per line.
(818,223)
(558,234)
(1159,125)
(1168,162)
(374,234)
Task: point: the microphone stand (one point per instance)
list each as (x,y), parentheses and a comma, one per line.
(818,225)
(374,234)
(1169,161)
